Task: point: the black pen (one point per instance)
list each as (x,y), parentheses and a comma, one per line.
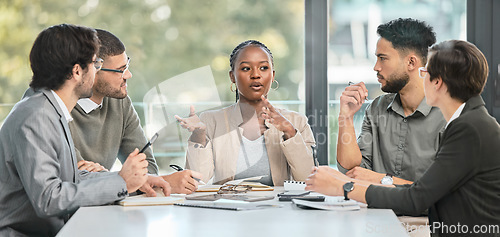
(153,139)
(178,168)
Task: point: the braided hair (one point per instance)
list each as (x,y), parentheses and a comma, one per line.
(242,45)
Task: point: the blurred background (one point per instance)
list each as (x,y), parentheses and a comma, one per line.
(189,42)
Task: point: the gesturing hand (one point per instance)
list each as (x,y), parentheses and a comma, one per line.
(195,125)
(192,122)
(134,170)
(272,116)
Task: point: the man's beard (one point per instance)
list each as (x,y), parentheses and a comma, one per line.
(105,89)
(395,82)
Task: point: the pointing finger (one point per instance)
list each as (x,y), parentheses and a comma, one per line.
(191,111)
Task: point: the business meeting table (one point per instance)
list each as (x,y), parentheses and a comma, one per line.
(289,220)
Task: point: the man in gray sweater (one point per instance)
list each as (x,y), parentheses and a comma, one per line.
(41,187)
(106,125)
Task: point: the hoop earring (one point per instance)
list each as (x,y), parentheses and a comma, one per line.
(277,85)
(231,87)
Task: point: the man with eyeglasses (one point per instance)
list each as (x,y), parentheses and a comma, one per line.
(41,185)
(106,125)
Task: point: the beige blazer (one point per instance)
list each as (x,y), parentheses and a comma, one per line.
(290,159)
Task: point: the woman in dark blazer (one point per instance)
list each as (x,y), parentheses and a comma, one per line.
(461,188)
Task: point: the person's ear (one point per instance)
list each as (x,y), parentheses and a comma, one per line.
(231,76)
(76,72)
(438,83)
(413,62)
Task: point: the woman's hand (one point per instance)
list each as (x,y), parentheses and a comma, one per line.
(194,125)
(272,116)
(327,181)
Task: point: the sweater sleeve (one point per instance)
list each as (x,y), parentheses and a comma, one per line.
(134,137)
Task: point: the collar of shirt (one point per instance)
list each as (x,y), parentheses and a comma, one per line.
(456,114)
(88,105)
(397,107)
(64,109)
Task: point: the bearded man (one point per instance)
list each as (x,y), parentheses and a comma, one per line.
(400,132)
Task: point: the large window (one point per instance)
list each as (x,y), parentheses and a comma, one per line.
(353,37)
(180,50)
(167,40)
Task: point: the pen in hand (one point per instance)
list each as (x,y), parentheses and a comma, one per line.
(150,142)
(352,83)
(316,163)
(178,168)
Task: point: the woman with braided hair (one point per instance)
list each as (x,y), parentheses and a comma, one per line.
(250,137)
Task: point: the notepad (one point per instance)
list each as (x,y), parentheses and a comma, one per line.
(150,201)
(291,185)
(331,204)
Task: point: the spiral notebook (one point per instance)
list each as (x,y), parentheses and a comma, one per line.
(291,185)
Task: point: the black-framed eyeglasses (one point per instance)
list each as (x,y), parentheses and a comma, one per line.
(116,70)
(98,63)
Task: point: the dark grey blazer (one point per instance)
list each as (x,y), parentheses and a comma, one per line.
(462,186)
(39,180)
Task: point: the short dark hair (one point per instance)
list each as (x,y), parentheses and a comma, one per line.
(461,65)
(56,50)
(110,44)
(242,45)
(408,34)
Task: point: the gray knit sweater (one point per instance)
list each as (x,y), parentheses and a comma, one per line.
(110,132)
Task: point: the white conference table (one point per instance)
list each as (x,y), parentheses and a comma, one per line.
(169,220)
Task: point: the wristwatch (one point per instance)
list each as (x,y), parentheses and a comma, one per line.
(347,188)
(387,179)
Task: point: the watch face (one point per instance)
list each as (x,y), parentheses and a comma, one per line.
(348,186)
(386,180)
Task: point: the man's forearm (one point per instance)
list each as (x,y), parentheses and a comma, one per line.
(348,153)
